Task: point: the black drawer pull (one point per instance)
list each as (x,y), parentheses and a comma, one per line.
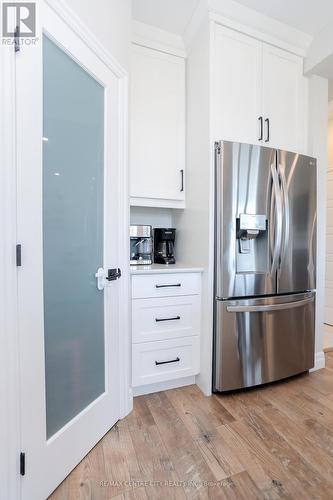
(166,362)
(167,286)
(267,123)
(166,319)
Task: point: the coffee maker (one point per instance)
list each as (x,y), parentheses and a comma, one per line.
(164,242)
(141,239)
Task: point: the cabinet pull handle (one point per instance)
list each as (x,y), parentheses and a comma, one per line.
(261,135)
(182,180)
(267,123)
(166,362)
(167,286)
(167,319)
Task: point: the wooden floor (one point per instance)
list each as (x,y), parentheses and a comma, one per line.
(272,442)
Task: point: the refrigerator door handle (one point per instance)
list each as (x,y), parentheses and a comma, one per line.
(269,307)
(279,216)
(286,212)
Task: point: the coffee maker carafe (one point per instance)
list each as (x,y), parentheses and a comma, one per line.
(164,241)
(141,245)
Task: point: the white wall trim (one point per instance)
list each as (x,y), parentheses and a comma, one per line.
(9,359)
(125,344)
(319,361)
(248,21)
(155,38)
(77,26)
(257,34)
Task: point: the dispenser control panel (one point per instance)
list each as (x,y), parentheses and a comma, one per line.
(252,221)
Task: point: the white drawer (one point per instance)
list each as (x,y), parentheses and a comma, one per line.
(165,285)
(165,318)
(179,358)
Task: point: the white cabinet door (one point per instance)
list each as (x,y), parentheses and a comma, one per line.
(157,153)
(237,86)
(284,99)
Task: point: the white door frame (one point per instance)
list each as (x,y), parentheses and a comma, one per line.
(9,368)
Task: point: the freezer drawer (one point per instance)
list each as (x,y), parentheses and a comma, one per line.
(262,340)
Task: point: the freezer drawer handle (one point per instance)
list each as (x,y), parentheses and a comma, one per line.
(270,307)
(166,362)
(167,286)
(166,319)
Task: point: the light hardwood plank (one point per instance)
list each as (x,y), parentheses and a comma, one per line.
(268,443)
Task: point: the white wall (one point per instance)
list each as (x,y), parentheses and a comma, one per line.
(193,224)
(329,222)
(317,141)
(110,21)
(330,136)
(156,217)
(319,58)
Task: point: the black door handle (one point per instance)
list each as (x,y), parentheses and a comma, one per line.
(167,319)
(261,135)
(167,286)
(166,362)
(182,180)
(267,123)
(113,274)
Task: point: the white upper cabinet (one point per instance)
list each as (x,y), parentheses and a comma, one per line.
(284,99)
(157,151)
(237,86)
(260,93)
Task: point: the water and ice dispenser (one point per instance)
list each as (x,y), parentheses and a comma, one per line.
(252,243)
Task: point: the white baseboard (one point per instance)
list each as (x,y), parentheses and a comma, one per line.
(319,361)
(163,386)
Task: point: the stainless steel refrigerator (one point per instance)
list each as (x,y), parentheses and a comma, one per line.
(265,264)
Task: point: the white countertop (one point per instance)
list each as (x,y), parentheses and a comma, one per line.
(165,269)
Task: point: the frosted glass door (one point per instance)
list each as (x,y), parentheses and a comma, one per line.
(73,228)
(70,103)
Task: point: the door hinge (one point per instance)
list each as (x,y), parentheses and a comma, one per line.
(22,463)
(218,147)
(17,39)
(18,255)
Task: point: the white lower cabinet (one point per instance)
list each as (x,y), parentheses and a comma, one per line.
(165,318)
(165,360)
(165,327)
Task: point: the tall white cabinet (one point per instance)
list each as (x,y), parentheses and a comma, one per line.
(260,93)
(284,99)
(157,135)
(241,81)
(237,81)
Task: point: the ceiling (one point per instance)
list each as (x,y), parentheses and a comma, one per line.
(169,15)
(309,16)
